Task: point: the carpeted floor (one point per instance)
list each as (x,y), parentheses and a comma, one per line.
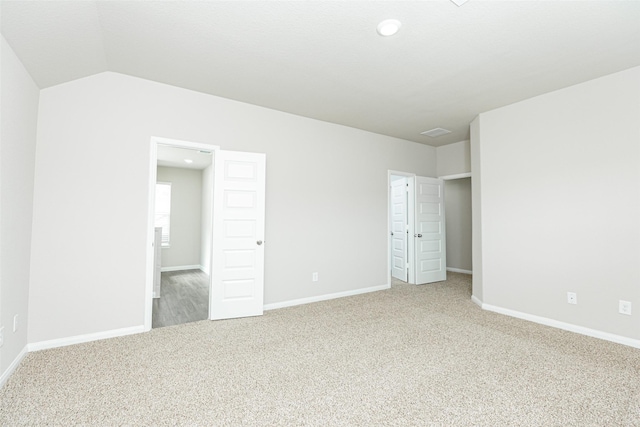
(410,356)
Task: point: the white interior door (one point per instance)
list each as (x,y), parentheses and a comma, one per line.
(238,235)
(399,229)
(429,233)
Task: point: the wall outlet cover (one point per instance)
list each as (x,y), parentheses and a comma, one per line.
(624,307)
(572,298)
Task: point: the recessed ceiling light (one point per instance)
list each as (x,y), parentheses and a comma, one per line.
(388,27)
(435,132)
(188,161)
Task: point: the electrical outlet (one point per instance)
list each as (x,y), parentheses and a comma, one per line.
(572,298)
(15,323)
(314,276)
(625,307)
(1,336)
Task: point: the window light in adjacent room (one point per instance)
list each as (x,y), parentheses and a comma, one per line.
(163,210)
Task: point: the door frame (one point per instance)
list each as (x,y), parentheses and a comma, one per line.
(410,213)
(153,164)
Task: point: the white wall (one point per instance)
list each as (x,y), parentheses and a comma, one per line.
(207,217)
(186,216)
(17,158)
(476,212)
(457,202)
(560,204)
(454,158)
(315,219)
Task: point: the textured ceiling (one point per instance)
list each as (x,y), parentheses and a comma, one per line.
(324,59)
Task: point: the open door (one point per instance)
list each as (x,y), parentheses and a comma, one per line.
(238,235)
(430,263)
(399,229)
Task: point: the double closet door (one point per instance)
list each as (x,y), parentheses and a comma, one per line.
(418,241)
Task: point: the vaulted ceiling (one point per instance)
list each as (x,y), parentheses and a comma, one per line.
(324,59)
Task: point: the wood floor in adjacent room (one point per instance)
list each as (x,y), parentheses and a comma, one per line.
(184,298)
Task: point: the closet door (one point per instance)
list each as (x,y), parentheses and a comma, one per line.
(398,216)
(430,252)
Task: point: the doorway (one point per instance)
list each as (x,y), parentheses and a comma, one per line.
(183,216)
(416,228)
(186,249)
(236,260)
(458,223)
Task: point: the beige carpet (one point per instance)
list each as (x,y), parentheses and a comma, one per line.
(409,356)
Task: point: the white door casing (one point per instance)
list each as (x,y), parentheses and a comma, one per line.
(398,216)
(238,235)
(157,262)
(430,264)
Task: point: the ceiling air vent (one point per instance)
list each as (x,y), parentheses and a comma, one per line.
(435,132)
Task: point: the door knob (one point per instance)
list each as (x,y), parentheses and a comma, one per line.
(417,235)
(259,242)
(392,233)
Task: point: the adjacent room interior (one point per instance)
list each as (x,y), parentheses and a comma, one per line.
(183,214)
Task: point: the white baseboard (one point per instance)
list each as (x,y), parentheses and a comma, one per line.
(476,301)
(14,365)
(560,325)
(325,297)
(459,270)
(78,339)
(181,267)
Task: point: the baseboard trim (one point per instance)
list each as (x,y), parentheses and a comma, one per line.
(476,301)
(459,270)
(14,365)
(78,339)
(561,325)
(181,267)
(325,297)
